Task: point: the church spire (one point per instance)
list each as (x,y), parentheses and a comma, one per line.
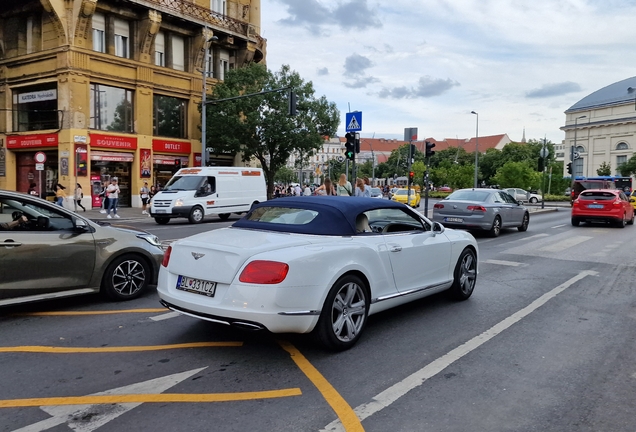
(523,139)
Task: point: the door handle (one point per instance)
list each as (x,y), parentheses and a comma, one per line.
(396,248)
(10,243)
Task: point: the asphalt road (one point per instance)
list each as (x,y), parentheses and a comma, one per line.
(546,343)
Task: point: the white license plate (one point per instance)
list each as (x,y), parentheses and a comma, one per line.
(160,211)
(198,286)
(449,219)
(595,206)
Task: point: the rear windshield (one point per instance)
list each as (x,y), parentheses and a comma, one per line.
(597,196)
(468,195)
(282,215)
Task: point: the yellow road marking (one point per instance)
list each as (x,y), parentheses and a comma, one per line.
(107,312)
(345,413)
(149,398)
(69,350)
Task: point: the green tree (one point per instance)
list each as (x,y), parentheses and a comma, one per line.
(517,174)
(605,169)
(285,175)
(122,121)
(259,127)
(629,167)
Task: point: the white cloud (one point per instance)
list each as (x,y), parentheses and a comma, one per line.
(429,63)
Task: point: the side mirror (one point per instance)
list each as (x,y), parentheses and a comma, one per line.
(43,223)
(80,225)
(438,228)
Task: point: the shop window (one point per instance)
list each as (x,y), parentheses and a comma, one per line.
(99,33)
(160,49)
(111,108)
(122,38)
(169,116)
(35,108)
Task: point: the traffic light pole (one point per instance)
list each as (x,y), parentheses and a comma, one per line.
(408,179)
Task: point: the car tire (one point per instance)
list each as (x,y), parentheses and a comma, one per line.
(126,277)
(631,221)
(224,216)
(465,275)
(533,200)
(575,222)
(196,215)
(162,220)
(524,223)
(344,314)
(495,230)
(622,222)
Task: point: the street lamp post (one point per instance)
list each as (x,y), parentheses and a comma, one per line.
(573,148)
(476,148)
(206,60)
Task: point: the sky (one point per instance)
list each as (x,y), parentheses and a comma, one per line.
(429,63)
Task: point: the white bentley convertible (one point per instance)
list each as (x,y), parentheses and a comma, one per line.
(316,264)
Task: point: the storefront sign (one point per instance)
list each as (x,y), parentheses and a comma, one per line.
(80,139)
(28,141)
(81,160)
(169,160)
(114,142)
(145,161)
(64,166)
(111,157)
(170,146)
(37,96)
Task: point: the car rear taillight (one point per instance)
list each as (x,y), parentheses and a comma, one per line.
(438,206)
(264,272)
(166,256)
(575,203)
(617,204)
(476,208)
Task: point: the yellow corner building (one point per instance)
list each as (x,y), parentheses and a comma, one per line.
(93,89)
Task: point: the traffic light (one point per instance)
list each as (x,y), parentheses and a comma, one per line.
(411,177)
(293,100)
(357,142)
(413,150)
(429,149)
(540,164)
(350,146)
(177,164)
(569,165)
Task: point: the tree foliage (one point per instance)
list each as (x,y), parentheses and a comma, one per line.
(519,175)
(629,167)
(604,169)
(259,127)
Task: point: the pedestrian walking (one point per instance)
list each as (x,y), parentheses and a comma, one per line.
(113,197)
(104,196)
(344,186)
(79,195)
(144,192)
(60,195)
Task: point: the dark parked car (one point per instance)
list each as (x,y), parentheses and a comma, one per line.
(53,252)
(483,209)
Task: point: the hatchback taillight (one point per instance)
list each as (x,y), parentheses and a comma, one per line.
(476,208)
(166,256)
(617,204)
(438,206)
(264,272)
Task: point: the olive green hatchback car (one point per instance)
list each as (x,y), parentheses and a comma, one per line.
(47,252)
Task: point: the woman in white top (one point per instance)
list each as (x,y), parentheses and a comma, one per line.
(361,189)
(112,191)
(326,188)
(344,187)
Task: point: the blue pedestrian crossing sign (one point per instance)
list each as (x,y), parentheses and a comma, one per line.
(354,121)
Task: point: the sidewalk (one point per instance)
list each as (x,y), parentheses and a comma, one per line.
(125,214)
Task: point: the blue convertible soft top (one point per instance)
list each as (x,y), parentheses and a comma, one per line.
(336,214)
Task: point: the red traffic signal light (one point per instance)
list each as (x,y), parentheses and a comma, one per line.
(411,175)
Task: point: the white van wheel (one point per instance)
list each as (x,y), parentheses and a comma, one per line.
(196,215)
(224,216)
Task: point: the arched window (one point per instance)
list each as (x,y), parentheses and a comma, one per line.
(622,146)
(580,149)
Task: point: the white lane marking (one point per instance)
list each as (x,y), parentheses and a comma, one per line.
(525,239)
(565,244)
(387,397)
(558,226)
(165,316)
(504,263)
(74,416)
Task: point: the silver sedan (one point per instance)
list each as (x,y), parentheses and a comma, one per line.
(482,209)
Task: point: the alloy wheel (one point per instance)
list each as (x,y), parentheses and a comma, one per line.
(467,274)
(348,312)
(128,277)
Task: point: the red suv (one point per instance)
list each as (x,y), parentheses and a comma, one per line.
(603,205)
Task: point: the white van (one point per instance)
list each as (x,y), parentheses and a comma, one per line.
(194,193)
